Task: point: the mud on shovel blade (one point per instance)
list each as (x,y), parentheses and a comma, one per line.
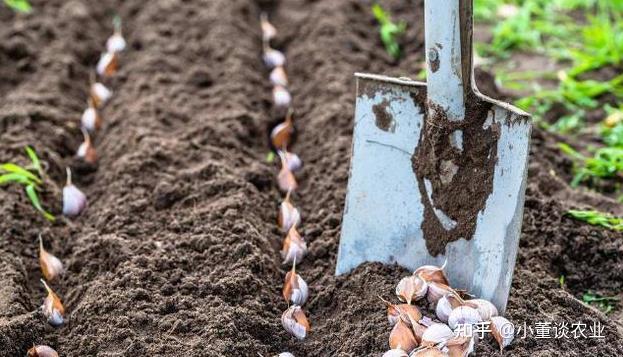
(438,170)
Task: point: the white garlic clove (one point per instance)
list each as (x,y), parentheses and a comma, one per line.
(115,43)
(443,309)
(285,354)
(274,58)
(411,288)
(436,333)
(502,330)
(278,76)
(90,119)
(401,337)
(295,322)
(52,307)
(281,97)
(100,94)
(432,273)
(86,151)
(293,161)
(295,289)
(460,346)
(294,247)
(463,315)
(41,351)
(286,180)
(396,352)
(107,64)
(268,30)
(436,291)
(428,351)
(485,308)
(51,266)
(74,201)
(289,216)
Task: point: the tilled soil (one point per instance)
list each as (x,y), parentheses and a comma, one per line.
(177,253)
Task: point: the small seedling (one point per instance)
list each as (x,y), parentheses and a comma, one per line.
(597,218)
(390,31)
(607,162)
(603,303)
(30,177)
(561,281)
(19,5)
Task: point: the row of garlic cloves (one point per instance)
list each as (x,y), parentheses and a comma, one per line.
(295,289)
(416,335)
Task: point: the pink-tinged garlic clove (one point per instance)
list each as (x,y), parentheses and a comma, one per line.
(74,201)
(295,322)
(281,97)
(273,58)
(463,315)
(278,76)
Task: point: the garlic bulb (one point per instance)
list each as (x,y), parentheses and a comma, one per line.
(285,178)
(436,333)
(502,330)
(278,76)
(86,151)
(463,315)
(107,64)
(294,247)
(295,288)
(289,215)
(41,351)
(436,291)
(51,266)
(411,288)
(428,351)
(273,58)
(52,307)
(100,94)
(402,337)
(485,308)
(431,273)
(396,352)
(295,322)
(268,30)
(293,161)
(91,119)
(281,97)
(281,135)
(74,201)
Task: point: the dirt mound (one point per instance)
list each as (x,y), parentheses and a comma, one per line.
(177,253)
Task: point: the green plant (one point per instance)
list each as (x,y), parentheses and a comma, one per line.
(603,303)
(389,31)
(597,218)
(19,5)
(607,162)
(30,177)
(611,130)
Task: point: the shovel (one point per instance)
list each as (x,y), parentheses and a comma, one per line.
(438,170)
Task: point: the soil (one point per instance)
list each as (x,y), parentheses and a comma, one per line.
(178,251)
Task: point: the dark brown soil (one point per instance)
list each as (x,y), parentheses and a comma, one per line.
(177,253)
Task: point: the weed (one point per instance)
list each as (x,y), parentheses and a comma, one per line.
(389,31)
(603,303)
(19,5)
(30,177)
(597,218)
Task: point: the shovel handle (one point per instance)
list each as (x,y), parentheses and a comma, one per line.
(448,33)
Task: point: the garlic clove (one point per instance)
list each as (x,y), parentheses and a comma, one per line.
(295,289)
(74,201)
(394,312)
(51,266)
(460,346)
(428,351)
(268,30)
(86,151)
(116,42)
(295,322)
(436,333)
(285,178)
(107,64)
(294,247)
(293,161)
(273,58)
(411,288)
(436,291)
(289,216)
(401,337)
(52,307)
(281,97)
(278,76)
(485,308)
(502,330)
(285,354)
(281,135)
(430,273)
(100,94)
(463,315)
(443,309)
(91,120)
(41,351)
(396,352)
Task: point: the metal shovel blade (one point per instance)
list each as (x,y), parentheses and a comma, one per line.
(428,188)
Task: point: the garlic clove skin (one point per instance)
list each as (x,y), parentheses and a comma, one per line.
(502,330)
(485,308)
(411,288)
(295,289)
(74,201)
(401,337)
(281,135)
(115,43)
(463,315)
(396,352)
(274,58)
(107,64)
(436,333)
(294,247)
(436,291)
(278,76)
(432,273)
(100,94)
(281,97)
(86,151)
(52,308)
(460,346)
(295,322)
(41,351)
(428,351)
(289,216)
(51,266)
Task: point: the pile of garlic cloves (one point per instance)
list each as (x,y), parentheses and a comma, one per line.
(294,248)
(452,334)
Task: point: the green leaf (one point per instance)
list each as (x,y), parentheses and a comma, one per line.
(19,5)
(15,177)
(270,157)
(10,167)
(34,199)
(36,164)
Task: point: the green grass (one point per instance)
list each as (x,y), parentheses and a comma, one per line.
(19,5)
(596,218)
(604,303)
(607,162)
(389,31)
(29,177)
